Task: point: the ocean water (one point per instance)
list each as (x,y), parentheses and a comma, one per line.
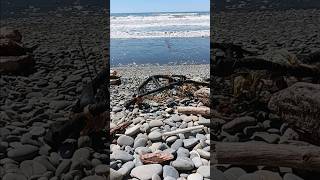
(160,38)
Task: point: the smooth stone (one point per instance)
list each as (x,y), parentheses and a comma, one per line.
(121,155)
(177,144)
(146,172)
(45,162)
(170,178)
(156,177)
(94,177)
(218,174)
(84,141)
(114,175)
(268,175)
(186,118)
(176,118)
(133,130)
(204,121)
(14,176)
(141,142)
(234,173)
(204,154)
(30,168)
(54,158)
(155,136)
(24,152)
(142,150)
(190,143)
(195,176)
(63,167)
(116,109)
(250,177)
(59,105)
(37,131)
(101,169)
(80,154)
(204,171)
(125,140)
(95,162)
(201,137)
(183,164)
(197,161)
(4,132)
(145,127)
(171,139)
(290,176)
(138,120)
(3,146)
(170,171)
(155,123)
(182,152)
(126,168)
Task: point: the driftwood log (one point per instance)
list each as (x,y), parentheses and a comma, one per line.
(9,47)
(228,65)
(9,33)
(203,95)
(299,106)
(16,64)
(276,155)
(204,111)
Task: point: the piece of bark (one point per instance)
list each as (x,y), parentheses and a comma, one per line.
(275,155)
(203,95)
(156,157)
(16,64)
(205,111)
(299,106)
(9,33)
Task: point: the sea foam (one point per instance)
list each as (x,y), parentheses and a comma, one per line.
(160,25)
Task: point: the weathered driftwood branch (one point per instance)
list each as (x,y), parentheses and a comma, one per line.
(178,131)
(229,65)
(205,111)
(299,157)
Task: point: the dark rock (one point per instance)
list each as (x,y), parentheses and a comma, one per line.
(24,152)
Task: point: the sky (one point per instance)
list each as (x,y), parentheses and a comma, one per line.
(139,6)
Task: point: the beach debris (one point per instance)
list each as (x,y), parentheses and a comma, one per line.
(204,111)
(156,157)
(119,129)
(159,83)
(10,33)
(305,157)
(14,56)
(280,63)
(299,106)
(114,78)
(203,95)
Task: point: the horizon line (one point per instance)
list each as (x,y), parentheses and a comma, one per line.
(161,12)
